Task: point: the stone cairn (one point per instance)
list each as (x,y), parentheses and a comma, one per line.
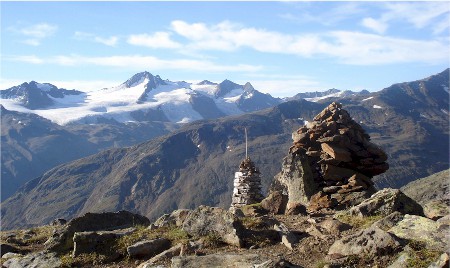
(247,185)
(341,156)
(330,165)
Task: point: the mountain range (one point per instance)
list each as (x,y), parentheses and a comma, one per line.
(143,97)
(195,164)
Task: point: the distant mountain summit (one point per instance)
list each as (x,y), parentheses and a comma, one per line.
(34,95)
(330,93)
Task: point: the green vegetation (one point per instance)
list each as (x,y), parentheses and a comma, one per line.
(213,240)
(83,260)
(321,264)
(420,255)
(358,222)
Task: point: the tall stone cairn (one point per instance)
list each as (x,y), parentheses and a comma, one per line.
(341,156)
(329,166)
(247,185)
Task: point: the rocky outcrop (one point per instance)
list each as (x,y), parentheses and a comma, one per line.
(385,202)
(39,259)
(148,248)
(413,227)
(62,239)
(228,260)
(372,242)
(176,218)
(206,220)
(331,162)
(166,254)
(98,242)
(247,185)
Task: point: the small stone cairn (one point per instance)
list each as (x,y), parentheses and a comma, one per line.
(340,154)
(247,185)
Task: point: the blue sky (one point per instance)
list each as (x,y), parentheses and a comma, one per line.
(282,48)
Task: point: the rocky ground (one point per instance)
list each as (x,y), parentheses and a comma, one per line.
(387,230)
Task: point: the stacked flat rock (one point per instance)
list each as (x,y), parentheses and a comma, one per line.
(340,154)
(247,185)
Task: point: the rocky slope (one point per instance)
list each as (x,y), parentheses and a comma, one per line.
(32,144)
(385,232)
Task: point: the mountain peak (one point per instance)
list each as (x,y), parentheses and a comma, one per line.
(138,78)
(225,87)
(248,87)
(206,82)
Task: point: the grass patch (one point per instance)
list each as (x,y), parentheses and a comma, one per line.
(420,255)
(321,264)
(358,222)
(253,223)
(213,240)
(39,235)
(83,260)
(173,233)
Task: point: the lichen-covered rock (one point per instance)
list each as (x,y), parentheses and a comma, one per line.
(372,242)
(62,239)
(436,209)
(228,260)
(99,242)
(175,218)
(206,220)
(38,259)
(148,248)
(385,202)
(413,227)
(166,254)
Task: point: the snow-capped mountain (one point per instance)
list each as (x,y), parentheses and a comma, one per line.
(330,93)
(35,95)
(143,97)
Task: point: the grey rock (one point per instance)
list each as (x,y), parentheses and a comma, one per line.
(98,242)
(62,240)
(41,259)
(334,227)
(57,222)
(206,220)
(401,261)
(148,248)
(372,241)
(296,178)
(175,218)
(228,260)
(442,262)
(385,202)
(10,255)
(166,254)
(434,234)
(287,237)
(389,221)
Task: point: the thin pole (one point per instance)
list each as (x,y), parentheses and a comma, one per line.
(246,150)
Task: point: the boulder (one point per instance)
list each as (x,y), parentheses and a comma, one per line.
(6,248)
(389,221)
(385,202)
(436,209)
(176,218)
(62,239)
(11,255)
(228,260)
(287,237)
(413,227)
(98,242)
(334,227)
(275,202)
(148,248)
(38,259)
(295,208)
(58,222)
(206,220)
(401,261)
(442,262)
(371,242)
(166,254)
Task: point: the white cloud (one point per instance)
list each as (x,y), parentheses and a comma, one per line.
(378,26)
(139,62)
(156,40)
(109,41)
(35,33)
(348,47)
